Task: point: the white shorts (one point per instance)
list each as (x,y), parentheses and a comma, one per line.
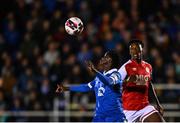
(140,115)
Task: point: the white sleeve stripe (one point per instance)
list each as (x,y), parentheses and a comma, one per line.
(114,81)
(115,78)
(90,86)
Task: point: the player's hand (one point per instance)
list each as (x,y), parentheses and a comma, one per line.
(160,109)
(60,88)
(91,66)
(88,65)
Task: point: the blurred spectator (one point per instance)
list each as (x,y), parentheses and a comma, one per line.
(26,79)
(49,5)
(28,45)
(85,54)
(3,106)
(12,36)
(85,11)
(51,55)
(8,74)
(17,106)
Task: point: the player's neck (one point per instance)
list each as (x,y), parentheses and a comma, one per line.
(138,60)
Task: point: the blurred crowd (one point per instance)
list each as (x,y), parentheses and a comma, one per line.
(36,53)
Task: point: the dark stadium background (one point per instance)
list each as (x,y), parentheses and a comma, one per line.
(36,53)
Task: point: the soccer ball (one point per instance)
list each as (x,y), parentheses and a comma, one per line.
(74,26)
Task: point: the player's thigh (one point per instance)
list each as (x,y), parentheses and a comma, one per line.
(131,115)
(155,117)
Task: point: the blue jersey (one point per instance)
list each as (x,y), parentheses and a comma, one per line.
(107,88)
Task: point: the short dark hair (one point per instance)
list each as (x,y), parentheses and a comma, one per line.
(136,41)
(115,58)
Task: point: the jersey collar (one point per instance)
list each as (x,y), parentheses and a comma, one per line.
(136,61)
(110,71)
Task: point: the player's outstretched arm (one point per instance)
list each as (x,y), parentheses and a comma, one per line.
(61,88)
(112,80)
(77,88)
(159,107)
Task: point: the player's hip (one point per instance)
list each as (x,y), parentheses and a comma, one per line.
(127,105)
(109,110)
(111,117)
(138,115)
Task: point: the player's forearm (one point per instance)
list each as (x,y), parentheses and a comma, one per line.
(154,93)
(79,88)
(65,88)
(104,78)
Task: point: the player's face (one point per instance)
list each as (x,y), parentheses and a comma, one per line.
(106,62)
(135,51)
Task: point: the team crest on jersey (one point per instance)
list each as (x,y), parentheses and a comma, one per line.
(147,69)
(101,91)
(96,82)
(134,69)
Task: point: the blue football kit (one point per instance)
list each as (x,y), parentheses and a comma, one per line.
(107,88)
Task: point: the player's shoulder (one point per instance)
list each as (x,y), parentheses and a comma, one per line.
(127,63)
(112,71)
(147,64)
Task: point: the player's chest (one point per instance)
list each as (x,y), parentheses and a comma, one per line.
(142,73)
(138,69)
(100,88)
